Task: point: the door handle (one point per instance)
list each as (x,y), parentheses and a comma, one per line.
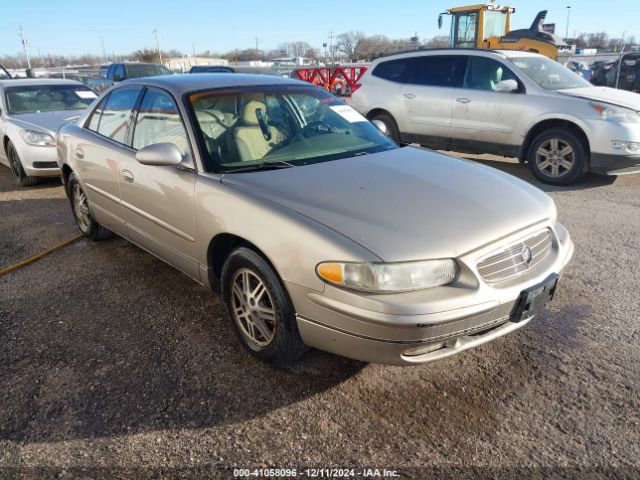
(410,96)
(79,153)
(127,176)
(463,100)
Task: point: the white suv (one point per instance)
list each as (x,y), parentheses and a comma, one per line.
(508,103)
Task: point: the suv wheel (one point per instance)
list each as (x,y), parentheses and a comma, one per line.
(260,309)
(19,175)
(390,123)
(557,156)
(80,207)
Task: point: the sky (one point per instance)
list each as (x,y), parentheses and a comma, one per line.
(73,27)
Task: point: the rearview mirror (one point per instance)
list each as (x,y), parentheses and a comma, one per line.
(160,155)
(380,125)
(507,86)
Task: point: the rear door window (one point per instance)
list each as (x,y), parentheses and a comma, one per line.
(114,116)
(437,70)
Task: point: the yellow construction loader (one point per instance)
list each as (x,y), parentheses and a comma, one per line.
(489,26)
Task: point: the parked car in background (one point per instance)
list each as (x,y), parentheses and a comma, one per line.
(211,69)
(315,228)
(31,112)
(508,103)
(233,69)
(117,72)
(4,74)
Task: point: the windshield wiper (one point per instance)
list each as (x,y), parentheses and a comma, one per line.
(261,166)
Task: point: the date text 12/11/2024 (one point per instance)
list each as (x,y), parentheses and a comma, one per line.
(315,473)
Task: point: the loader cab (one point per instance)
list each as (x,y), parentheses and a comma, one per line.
(473,24)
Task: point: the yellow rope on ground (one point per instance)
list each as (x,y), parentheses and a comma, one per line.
(40,255)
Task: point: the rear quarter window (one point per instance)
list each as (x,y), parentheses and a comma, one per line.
(393,70)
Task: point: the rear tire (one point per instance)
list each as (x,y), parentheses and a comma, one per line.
(82,214)
(260,309)
(558,156)
(19,175)
(390,123)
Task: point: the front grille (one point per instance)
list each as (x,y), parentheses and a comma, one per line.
(511,260)
(45,164)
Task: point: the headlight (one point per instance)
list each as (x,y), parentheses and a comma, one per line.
(615,113)
(38,139)
(389,277)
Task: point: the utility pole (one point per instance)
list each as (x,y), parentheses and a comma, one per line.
(257,44)
(568,17)
(24,45)
(155,32)
(104,51)
(193,44)
(333,61)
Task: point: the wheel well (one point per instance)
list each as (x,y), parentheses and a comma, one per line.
(546,125)
(378,111)
(66,172)
(5,142)
(220,248)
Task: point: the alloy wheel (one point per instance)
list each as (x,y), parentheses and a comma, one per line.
(555,157)
(14,162)
(81,208)
(252,308)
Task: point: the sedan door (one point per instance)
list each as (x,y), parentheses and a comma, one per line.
(427,97)
(158,202)
(485,120)
(100,148)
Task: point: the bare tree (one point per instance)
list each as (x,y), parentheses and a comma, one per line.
(439,41)
(348,43)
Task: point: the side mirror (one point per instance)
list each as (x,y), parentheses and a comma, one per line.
(380,125)
(117,78)
(160,155)
(507,86)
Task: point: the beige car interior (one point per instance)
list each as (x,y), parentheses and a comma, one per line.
(231,137)
(251,142)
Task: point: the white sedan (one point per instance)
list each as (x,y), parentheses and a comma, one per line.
(31,113)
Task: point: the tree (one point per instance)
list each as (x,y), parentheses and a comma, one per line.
(348,43)
(439,41)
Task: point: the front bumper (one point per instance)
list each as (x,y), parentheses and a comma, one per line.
(38,161)
(611,164)
(418,327)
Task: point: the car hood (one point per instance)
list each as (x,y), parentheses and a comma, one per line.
(49,121)
(405,204)
(621,98)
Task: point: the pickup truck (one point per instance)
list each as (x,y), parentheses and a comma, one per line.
(4,75)
(116,72)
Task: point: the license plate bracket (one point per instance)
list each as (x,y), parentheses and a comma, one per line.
(534,299)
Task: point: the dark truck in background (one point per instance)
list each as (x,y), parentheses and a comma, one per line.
(117,72)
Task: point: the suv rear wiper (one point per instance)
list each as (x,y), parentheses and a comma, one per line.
(261,166)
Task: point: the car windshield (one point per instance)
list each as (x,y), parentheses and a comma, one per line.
(279,126)
(549,74)
(139,71)
(47,98)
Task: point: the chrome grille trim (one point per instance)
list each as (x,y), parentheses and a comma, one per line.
(507,262)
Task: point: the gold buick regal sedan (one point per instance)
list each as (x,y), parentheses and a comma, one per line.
(315,229)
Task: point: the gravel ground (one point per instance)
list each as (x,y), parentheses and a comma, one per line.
(113,364)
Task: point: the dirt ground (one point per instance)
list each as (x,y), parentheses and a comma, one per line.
(112,364)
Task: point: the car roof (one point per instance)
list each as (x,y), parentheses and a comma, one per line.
(181,84)
(482,52)
(22,82)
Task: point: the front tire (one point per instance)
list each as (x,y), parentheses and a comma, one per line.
(260,309)
(558,156)
(19,175)
(81,212)
(390,123)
